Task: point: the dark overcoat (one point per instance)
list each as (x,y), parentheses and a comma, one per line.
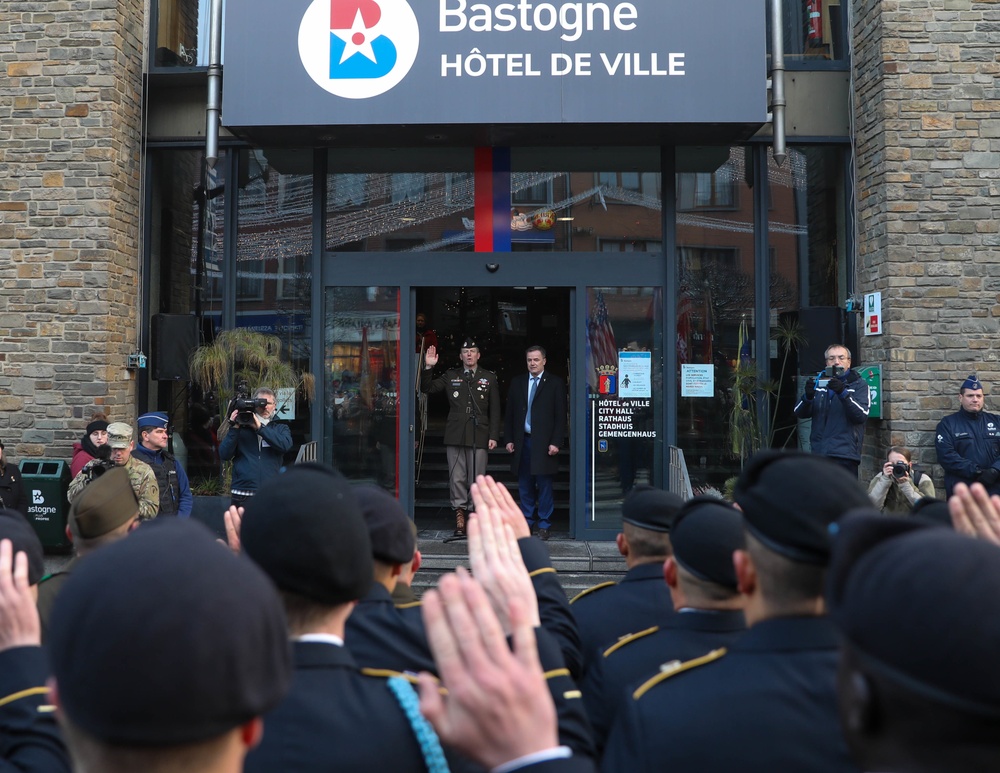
(548,421)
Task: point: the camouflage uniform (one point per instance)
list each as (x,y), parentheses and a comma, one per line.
(143,481)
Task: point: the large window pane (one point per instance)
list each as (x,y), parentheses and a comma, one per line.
(715,311)
(624,441)
(273,248)
(181,33)
(361,383)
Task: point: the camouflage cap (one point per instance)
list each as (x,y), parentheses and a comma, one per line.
(105,504)
(119,435)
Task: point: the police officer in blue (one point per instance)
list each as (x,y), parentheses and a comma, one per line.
(175,491)
(610,610)
(838,402)
(767,703)
(968,441)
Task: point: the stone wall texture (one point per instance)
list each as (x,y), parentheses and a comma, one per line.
(927,114)
(70,142)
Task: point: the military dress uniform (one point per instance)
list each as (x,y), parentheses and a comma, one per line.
(606,612)
(473,421)
(768,704)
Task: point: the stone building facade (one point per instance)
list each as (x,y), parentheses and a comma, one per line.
(70,142)
(926,115)
(927,138)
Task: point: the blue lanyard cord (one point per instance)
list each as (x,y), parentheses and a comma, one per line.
(430,746)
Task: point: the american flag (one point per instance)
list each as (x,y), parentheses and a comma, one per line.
(601,336)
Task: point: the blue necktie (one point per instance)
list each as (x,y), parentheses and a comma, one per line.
(531,397)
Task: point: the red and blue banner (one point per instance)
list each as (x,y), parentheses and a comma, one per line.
(492,199)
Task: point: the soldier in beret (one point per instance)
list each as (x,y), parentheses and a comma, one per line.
(703,586)
(610,610)
(166,651)
(768,703)
(473,426)
(140,474)
(319,555)
(911,700)
(104,512)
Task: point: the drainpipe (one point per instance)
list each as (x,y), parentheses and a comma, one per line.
(777,83)
(213,108)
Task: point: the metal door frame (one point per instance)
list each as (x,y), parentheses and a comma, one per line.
(574,271)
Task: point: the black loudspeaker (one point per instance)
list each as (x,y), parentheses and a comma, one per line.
(822,326)
(175,336)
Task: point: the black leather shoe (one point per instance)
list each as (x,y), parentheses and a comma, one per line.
(543,534)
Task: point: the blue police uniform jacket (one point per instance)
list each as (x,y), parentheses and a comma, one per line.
(605,613)
(177,502)
(966,442)
(838,421)
(768,704)
(256,456)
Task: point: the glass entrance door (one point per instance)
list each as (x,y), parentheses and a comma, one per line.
(600,321)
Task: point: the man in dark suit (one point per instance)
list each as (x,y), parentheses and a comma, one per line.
(535,429)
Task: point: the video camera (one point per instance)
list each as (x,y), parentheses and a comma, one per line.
(825,375)
(246,405)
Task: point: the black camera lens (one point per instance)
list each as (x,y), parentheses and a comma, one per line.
(900,469)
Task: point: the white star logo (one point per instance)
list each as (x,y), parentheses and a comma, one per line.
(357,40)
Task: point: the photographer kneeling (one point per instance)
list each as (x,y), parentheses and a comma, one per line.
(255,442)
(900,484)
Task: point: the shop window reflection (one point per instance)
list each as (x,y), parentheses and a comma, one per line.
(181,33)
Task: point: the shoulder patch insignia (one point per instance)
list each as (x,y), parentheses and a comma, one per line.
(629,638)
(588,591)
(675,667)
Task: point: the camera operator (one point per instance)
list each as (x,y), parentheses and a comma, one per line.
(255,442)
(901,484)
(140,474)
(838,402)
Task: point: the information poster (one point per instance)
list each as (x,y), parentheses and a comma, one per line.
(285,403)
(697,380)
(635,375)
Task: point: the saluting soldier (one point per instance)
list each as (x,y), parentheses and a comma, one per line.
(473,426)
(610,610)
(774,691)
(140,474)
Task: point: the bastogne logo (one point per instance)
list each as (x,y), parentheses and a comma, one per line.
(358,49)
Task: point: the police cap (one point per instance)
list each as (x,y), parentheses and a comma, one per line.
(153,420)
(167,638)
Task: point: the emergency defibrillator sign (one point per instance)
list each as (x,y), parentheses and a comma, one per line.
(324,62)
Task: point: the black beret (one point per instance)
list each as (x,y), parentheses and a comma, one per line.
(389,526)
(167,638)
(789,499)
(918,603)
(304,528)
(932,509)
(704,535)
(15,527)
(651,508)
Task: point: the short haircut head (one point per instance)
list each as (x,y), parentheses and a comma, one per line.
(831,347)
(264,392)
(535,348)
(783,582)
(645,543)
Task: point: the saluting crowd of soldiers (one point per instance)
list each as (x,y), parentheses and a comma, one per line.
(796,628)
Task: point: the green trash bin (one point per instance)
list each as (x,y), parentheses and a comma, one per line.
(46,482)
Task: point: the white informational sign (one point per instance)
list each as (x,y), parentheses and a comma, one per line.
(285,404)
(697,380)
(873,314)
(634,374)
